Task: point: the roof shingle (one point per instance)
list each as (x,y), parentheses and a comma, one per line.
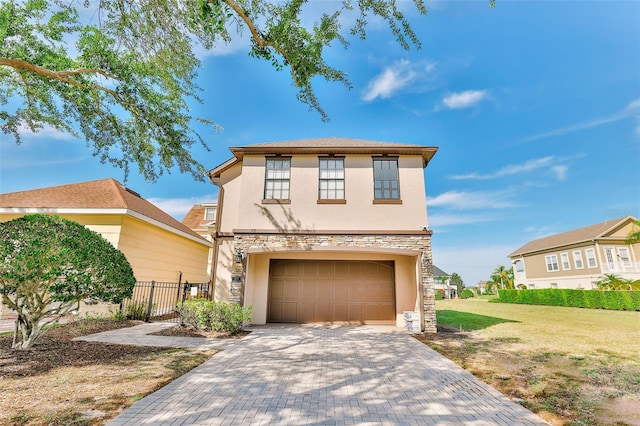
(577,235)
(97,194)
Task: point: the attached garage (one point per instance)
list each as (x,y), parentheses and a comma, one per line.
(304,290)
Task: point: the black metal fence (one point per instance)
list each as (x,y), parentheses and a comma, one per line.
(156,301)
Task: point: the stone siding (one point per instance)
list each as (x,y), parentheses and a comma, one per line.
(266,242)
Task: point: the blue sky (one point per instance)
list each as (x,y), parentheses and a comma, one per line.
(535,108)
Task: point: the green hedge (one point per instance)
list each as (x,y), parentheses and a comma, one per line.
(595,299)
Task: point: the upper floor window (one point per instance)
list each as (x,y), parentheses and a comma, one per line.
(276,180)
(331,184)
(386,181)
(591,258)
(552,263)
(623,254)
(577,259)
(210,213)
(565,261)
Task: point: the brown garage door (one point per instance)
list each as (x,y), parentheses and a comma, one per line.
(325,291)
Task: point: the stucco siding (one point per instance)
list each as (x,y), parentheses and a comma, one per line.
(304,212)
(160,255)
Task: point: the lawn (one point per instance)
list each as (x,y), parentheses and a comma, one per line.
(569,365)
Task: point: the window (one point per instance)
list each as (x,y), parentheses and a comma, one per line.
(276,181)
(552,263)
(564,257)
(577,259)
(210,213)
(331,184)
(386,183)
(623,254)
(591,258)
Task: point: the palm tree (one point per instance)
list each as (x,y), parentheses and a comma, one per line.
(503,277)
(614,282)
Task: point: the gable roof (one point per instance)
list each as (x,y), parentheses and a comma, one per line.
(194,219)
(437,272)
(105,194)
(599,230)
(330,145)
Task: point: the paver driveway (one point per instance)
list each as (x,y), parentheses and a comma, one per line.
(291,375)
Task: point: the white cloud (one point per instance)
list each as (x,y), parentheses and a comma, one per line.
(511,169)
(465,99)
(46,132)
(438,220)
(630,110)
(560,172)
(462,200)
(396,77)
(178,207)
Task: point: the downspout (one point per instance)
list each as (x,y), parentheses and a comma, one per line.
(216,241)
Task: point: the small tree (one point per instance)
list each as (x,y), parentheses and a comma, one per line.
(457,281)
(49,264)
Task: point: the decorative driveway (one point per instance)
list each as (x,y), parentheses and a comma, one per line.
(325,375)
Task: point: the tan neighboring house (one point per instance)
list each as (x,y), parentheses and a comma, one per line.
(578,259)
(157,246)
(201,219)
(325,230)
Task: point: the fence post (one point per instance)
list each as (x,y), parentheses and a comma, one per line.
(150,305)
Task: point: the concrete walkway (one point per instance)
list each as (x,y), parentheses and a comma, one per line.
(329,375)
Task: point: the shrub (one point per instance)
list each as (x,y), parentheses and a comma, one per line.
(595,299)
(466,293)
(136,311)
(439,294)
(207,315)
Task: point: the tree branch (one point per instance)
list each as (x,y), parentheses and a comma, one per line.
(258,37)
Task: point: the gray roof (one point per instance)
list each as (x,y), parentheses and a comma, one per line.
(437,272)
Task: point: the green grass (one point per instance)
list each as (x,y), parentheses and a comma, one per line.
(466,321)
(566,364)
(549,327)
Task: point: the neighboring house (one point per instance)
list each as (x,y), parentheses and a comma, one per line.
(443,282)
(201,218)
(157,246)
(325,230)
(482,287)
(578,259)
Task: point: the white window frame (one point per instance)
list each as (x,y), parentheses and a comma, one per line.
(610,258)
(577,259)
(564,260)
(208,210)
(591,256)
(625,260)
(552,263)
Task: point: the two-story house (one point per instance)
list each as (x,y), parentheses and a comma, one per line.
(578,259)
(325,230)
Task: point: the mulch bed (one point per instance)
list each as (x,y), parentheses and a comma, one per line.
(56,349)
(189,331)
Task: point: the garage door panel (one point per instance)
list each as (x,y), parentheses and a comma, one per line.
(327,291)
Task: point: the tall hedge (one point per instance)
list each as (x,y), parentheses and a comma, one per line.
(618,300)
